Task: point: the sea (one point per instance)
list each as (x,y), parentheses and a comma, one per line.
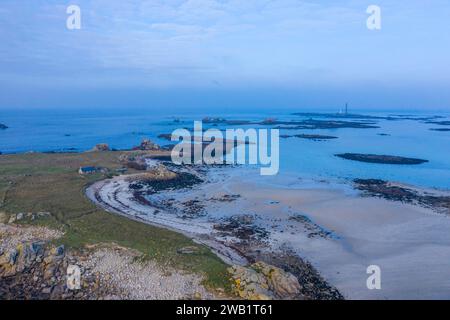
(71,130)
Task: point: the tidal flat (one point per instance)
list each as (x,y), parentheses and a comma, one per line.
(325,233)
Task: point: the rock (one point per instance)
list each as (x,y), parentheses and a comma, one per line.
(262,281)
(269,121)
(3,217)
(54,258)
(136,165)
(13,255)
(19,216)
(12,218)
(58,251)
(37,248)
(43,214)
(3,126)
(244,218)
(49,272)
(197,296)
(188,250)
(47,290)
(28,255)
(57,291)
(101,147)
(212,120)
(4,259)
(21,258)
(248,284)
(284,284)
(397,192)
(147,144)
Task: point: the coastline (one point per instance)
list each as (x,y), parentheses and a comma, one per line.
(337,230)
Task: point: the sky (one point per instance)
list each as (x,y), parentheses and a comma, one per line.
(225,54)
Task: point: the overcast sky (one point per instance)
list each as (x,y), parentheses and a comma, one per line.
(225,53)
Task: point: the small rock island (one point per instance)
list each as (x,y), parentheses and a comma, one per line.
(384,159)
(316,137)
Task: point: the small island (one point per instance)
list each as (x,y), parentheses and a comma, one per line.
(315,137)
(384,159)
(440,129)
(440,123)
(3,126)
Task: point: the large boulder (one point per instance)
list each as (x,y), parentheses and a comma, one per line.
(284,284)
(101,147)
(26,255)
(147,145)
(262,281)
(3,217)
(249,284)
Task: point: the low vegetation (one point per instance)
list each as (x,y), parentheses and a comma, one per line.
(37,182)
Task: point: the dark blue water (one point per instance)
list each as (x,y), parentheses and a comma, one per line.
(80,130)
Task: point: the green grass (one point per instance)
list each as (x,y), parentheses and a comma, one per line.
(50,182)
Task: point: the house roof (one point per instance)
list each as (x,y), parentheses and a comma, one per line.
(89,169)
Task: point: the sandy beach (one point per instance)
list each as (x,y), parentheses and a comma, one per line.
(243,216)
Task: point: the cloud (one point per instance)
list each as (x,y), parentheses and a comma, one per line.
(186,43)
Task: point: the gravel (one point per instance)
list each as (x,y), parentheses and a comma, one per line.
(144,280)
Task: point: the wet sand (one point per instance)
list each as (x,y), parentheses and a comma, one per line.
(329,225)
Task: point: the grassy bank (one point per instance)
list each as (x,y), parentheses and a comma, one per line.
(37,182)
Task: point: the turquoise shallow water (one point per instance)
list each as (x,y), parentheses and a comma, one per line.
(80,130)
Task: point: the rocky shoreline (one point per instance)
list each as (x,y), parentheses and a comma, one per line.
(32,268)
(261,243)
(250,245)
(396,192)
(245,234)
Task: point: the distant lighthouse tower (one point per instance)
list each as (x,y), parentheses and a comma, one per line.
(346,108)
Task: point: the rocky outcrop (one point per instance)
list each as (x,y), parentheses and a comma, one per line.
(134,161)
(20,258)
(160,173)
(29,215)
(160,179)
(262,281)
(33,268)
(101,147)
(3,127)
(147,145)
(212,120)
(439,202)
(269,121)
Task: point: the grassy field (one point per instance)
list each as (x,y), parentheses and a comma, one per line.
(37,182)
